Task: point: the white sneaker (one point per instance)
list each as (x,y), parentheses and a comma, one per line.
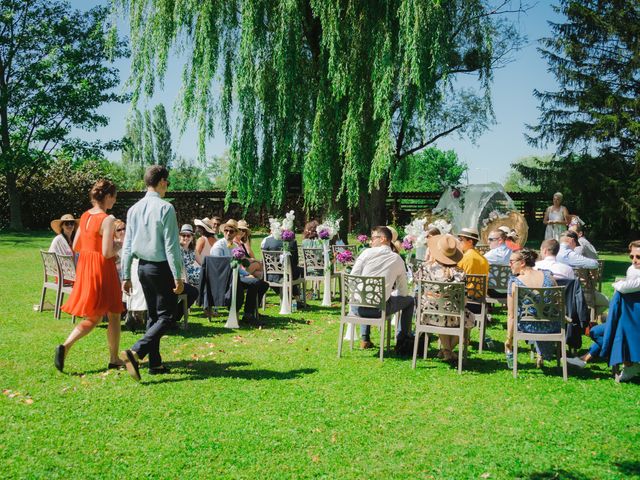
(628,373)
(576,362)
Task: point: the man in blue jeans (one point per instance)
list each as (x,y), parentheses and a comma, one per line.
(381,260)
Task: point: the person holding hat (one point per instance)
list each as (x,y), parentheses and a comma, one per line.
(472,262)
(65,227)
(208,230)
(255,287)
(441,266)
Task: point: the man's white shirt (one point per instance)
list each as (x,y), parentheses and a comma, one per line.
(558,270)
(383,262)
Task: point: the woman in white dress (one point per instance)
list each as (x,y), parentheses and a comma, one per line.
(556,218)
(66,227)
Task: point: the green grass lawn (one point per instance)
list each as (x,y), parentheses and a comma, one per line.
(273,401)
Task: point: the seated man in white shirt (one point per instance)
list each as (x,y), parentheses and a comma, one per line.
(381,261)
(548,251)
(566,255)
(584,247)
(499,253)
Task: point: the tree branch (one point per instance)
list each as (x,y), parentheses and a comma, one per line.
(430,141)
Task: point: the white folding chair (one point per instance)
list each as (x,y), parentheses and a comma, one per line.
(68,270)
(544,305)
(359,291)
(439,299)
(499,282)
(313,265)
(476,291)
(272,265)
(52,276)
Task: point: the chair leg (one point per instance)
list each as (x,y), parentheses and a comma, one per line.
(382,338)
(44,292)
(340,339)
(481,334)
(426,345)
(59,297)
(416,340)
(460,352)
(564,360)
(558,353)
(515,358)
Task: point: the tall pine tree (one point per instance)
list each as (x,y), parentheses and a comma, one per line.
(161,136)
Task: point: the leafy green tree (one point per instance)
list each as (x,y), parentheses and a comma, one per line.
(595,56)
(340,91)
(428,171)
(54,75)
(161,136)
(132,152)
(148,147)
(516,181)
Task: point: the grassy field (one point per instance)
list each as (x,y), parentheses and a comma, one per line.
(273,401)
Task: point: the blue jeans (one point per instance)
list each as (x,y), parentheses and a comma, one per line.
(597,335)
(395,304)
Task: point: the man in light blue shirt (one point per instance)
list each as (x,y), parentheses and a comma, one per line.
(567,255)
(152,238)
(499,253)
(255,287)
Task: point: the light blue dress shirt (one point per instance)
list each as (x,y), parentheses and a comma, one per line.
(152,235)
(499,255)
(573,259)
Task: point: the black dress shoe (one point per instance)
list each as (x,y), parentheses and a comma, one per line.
(161,370)
(58,359)
(132,364)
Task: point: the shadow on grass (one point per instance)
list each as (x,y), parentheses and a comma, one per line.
(629,468)
(559,474)
(201,370)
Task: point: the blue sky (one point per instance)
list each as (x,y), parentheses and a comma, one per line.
(489,158)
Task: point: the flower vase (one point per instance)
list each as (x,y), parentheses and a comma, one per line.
(326,297)
(232,320)
(421,252)
(285,304)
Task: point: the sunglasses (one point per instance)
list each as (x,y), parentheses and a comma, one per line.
(186,235)
(514,260)
(69,224)
(634,257)
(121,229)
(226,230)
(493,239)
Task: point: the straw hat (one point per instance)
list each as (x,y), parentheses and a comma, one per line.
(394,233)
(205,223)
(56,225)
(445,249)
(514,221)
(230,223)
(471,233)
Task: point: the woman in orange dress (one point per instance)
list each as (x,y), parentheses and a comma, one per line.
(96,291)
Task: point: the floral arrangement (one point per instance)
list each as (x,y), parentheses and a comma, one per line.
(442,225)
(415,233)
(283,229)
(493,215)
(345,257)
(329,228)
(407,244)
(238,257)
(362,238)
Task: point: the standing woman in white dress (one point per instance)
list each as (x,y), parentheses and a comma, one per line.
(556,218)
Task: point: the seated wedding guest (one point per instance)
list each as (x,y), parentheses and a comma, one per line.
(499,253)
(243,240)
(382,261)
(208,229)
(255,287)
(512,239)
(631,328)
(430,232)
(472,261)
(548,251)
(310,235)
(584,247)
(118,239)
(269,243)
(522,266)
(441,266)
(65,227)
(191,266)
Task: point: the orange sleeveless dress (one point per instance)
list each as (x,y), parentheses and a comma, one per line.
(96,291)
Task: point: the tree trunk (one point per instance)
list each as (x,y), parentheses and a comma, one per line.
(344,212)
(377,205)
(15,207)
(364,222)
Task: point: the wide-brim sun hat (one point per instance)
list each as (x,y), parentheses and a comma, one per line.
(56,225)
(513,221)
(445,249)
(394,233)
(471,233)
(206,224)
(230,223)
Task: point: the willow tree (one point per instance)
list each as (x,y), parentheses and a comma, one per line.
(338,90)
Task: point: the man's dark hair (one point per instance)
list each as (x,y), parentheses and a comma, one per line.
(571,234)
(551,245)
(383,231)
(154,174)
